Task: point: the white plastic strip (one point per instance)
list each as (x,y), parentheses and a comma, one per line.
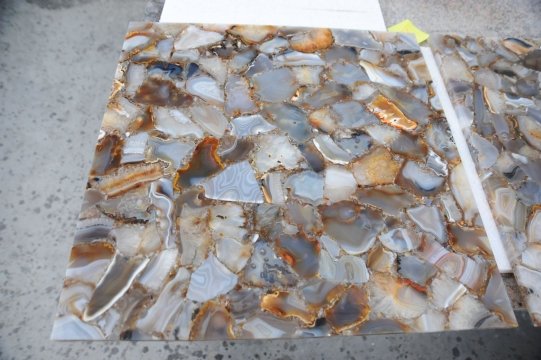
(344,14)
(493,234)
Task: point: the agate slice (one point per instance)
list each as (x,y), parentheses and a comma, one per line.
(273,182)
(494,85)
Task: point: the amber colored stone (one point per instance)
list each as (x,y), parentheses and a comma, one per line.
(388,113)
(204,162)
(213,322)
(162,93)
(127,178)
(284,304)
(89,252)
(311,41)
(351,310)
(108,154)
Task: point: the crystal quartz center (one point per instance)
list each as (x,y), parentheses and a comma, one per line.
(496,83)
(276,182)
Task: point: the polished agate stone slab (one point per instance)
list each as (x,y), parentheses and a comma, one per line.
(495,87)
(263,182)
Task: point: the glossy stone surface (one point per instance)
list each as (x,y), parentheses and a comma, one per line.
(267,198)
(494,84)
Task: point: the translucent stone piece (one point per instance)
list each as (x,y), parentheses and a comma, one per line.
(238,97)
(267,269)
(470,312)
(194,37)
(347,74)
(204,163)
(194,234)
(331,151)
(161,196)
(312,40)
(360,39)
(445,292)
(380,75)
(161,313)
(265,326)
(462,192)
(275,85)
(306,186)
(339,184)
(209,280)
(353,115)
(351,310)
(210,119)
(213,322)
(323,119)
(215,67)
(252,34)
(134,148)
(376,168)
(308,75)
(116,281)
(227,220)
(347,269)
(175,123)
(429,219)
(127,178)
(300,252)
(420,180)
(390,114)
(174,152)
(295,58)
(534,227)
(531,279)
(400,240)
(381,259)
(321,293)
(206,88)
(274,45)
(330,93)
(354,229)
(89,261)
(391,199)
(232,253)
(415,269)
(158,269)
(250,125)
(272,188)
(330,245)
(288,305)
(395,299)
(236,182)
(275,151)
(291,119)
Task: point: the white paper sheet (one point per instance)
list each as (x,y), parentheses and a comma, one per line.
(346,14)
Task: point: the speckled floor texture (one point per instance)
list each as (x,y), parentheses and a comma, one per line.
(57,60)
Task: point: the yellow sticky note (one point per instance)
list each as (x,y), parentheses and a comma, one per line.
(409,27)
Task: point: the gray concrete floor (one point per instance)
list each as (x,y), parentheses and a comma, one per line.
(57,59)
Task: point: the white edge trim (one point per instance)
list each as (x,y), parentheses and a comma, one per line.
(498,249)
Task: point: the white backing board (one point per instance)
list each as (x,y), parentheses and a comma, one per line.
(346,14)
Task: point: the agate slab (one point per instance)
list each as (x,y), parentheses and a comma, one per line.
(268,182)
(494,85)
